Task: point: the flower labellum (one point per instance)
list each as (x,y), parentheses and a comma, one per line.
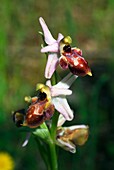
(40,109)
(38,113)
(72,58)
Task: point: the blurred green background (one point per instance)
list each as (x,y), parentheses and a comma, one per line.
(90,23)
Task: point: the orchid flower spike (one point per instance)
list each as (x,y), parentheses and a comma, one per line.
(52,46)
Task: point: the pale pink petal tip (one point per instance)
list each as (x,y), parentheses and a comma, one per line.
(50,48)
(61,120)
(60,37)
(62,106)
(47,34)
(51,65)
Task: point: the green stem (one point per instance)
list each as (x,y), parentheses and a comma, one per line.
(56,115)
(52,146)
(53,156)
(52,159)
(54,78)
(54,125)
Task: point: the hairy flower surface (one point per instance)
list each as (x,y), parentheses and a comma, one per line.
(40,109)
(72,58)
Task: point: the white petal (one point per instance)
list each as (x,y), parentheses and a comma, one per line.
(26,140)
(61,120)
(62,106)
(60,91)
(67,146)
(51,65)
(48,83)
(60,37)
(66,82)
(50,48)
(47,34)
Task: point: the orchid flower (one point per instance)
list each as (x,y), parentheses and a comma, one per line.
(48,99)
(42,106)
(69,137)
(55,95)
(58,94)
(60,53)
(53,47)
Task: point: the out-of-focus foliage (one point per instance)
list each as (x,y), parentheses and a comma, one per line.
(91,26)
